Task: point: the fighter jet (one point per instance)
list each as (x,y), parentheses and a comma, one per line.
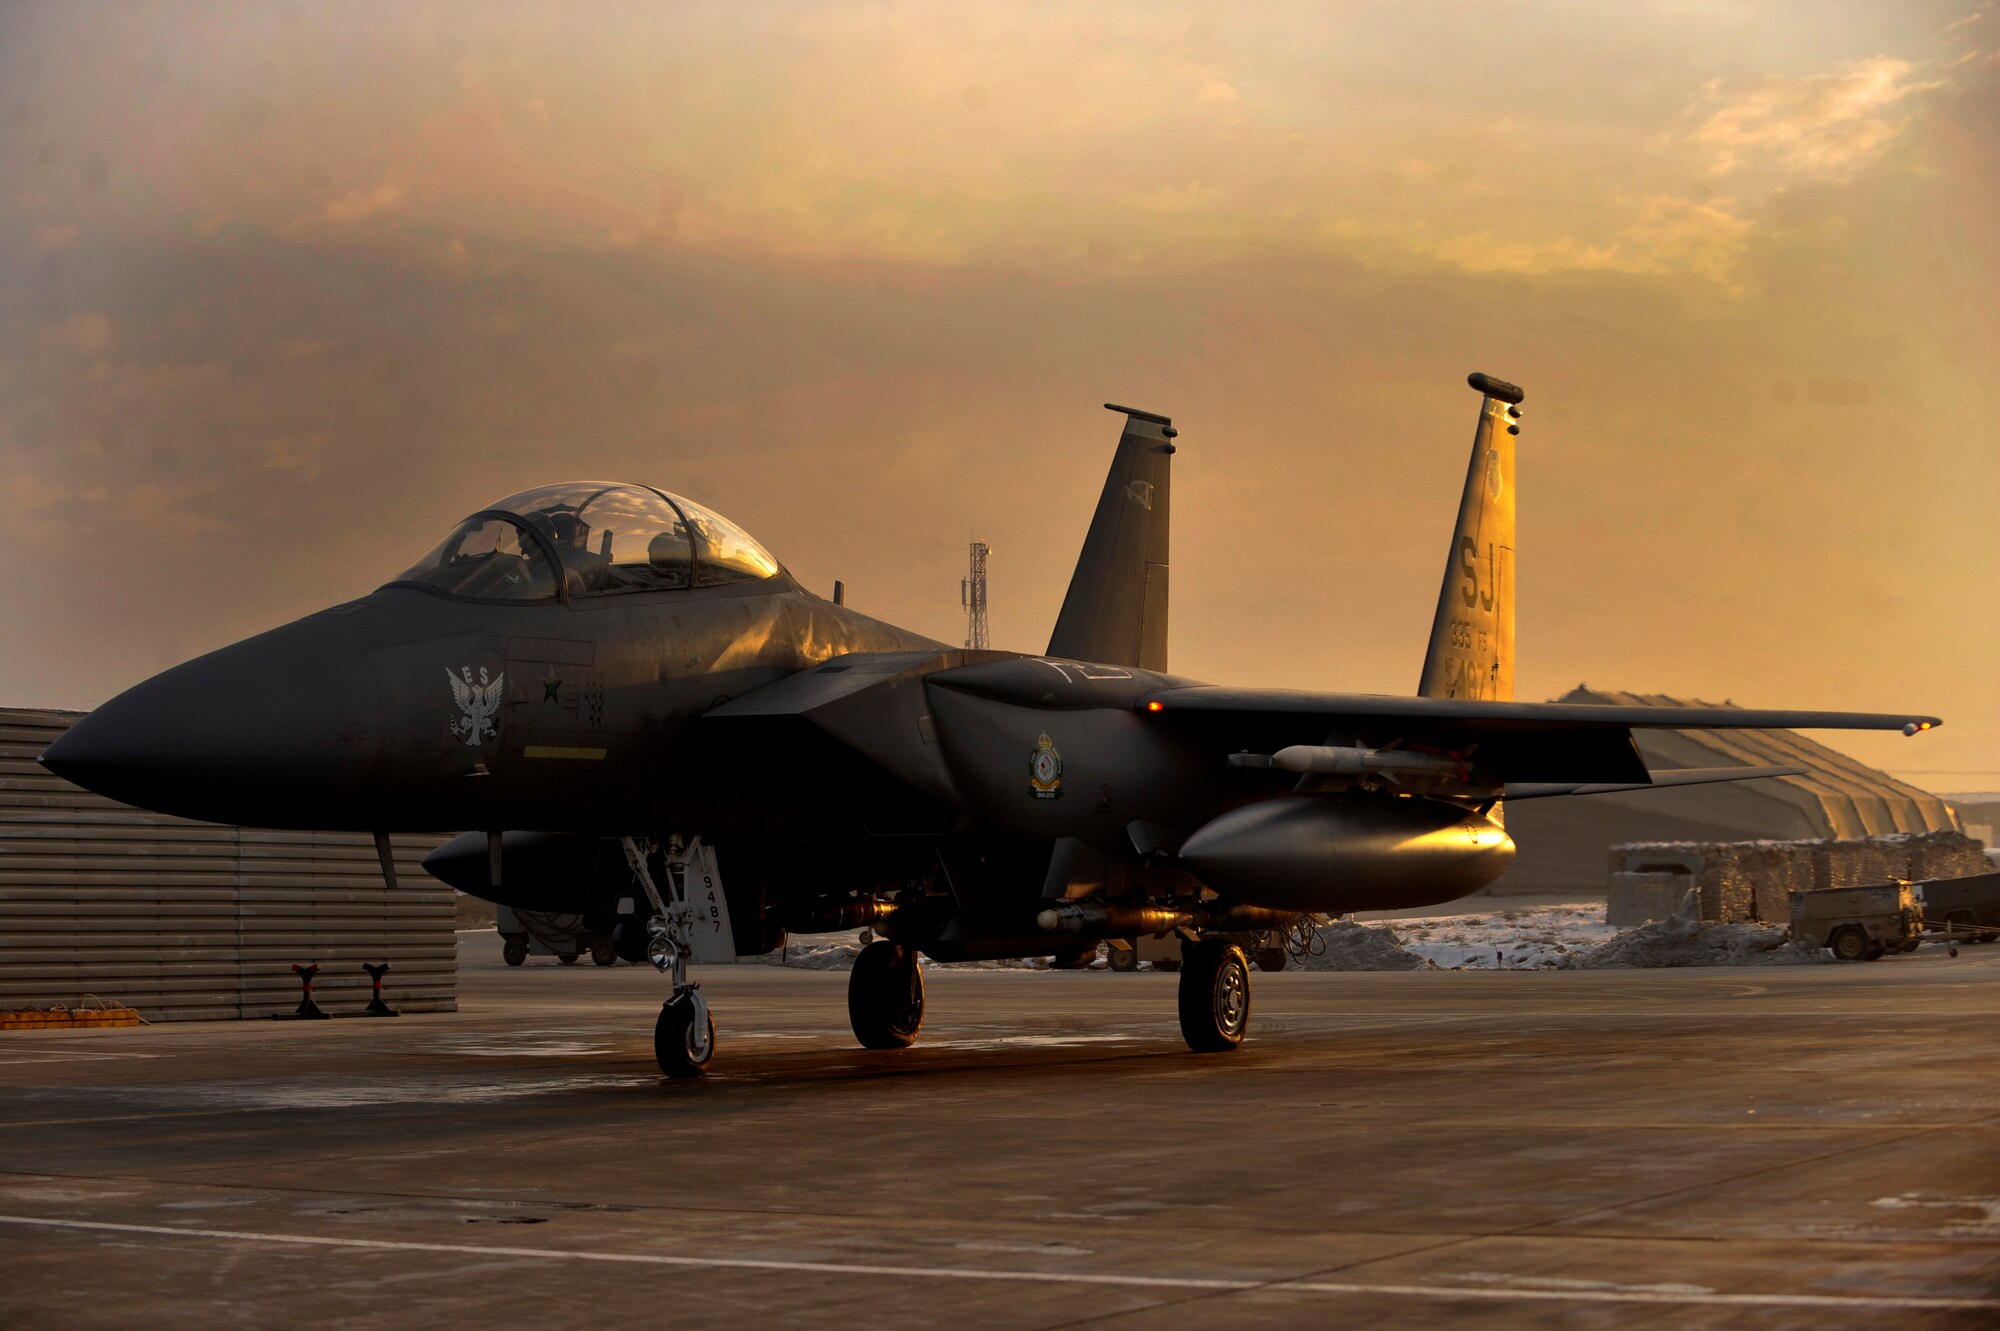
(643,719)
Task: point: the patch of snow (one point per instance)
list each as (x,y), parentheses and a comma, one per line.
(1685,942)
(821,952)
(1511,938)
(1569,935)
(1985,1221)
(1344,945)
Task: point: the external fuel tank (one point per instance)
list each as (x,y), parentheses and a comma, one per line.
(1332,854)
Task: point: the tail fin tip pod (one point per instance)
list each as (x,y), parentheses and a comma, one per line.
(1498,389)
(1471,653)
(1116,610)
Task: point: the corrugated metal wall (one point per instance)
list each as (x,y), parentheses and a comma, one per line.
(189,921)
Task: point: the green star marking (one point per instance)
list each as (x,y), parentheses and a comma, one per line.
(550,687)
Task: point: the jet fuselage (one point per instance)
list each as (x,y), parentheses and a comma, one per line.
(410,710)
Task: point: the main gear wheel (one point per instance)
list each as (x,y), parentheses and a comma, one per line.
(885,996)
(1214,995)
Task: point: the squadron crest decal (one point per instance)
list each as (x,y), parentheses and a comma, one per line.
(1045,770)
(477,704)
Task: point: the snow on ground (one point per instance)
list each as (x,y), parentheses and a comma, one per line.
(1526,937)
(1686,942)
(823,952)
(1343,945)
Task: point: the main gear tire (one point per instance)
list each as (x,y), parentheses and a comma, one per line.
(684,1036)
(885,996)
(1214,996)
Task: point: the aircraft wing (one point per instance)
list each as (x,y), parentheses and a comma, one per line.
(1540,743)
(1681,776)
(1472,715)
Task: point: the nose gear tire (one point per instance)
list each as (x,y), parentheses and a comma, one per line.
(885,996)
(684,1036)
(1214,996)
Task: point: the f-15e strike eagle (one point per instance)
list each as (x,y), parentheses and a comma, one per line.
(648,722)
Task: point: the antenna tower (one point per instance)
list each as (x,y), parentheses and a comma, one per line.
(972,595)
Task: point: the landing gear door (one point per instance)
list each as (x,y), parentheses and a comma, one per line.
(713,940)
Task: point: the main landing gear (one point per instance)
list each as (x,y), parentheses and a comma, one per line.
(885,996)
(1214,995)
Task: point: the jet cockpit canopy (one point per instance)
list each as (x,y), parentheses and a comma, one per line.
(590,538)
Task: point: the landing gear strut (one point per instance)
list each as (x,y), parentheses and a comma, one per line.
(1214,996)
(885,996)
(684,1036)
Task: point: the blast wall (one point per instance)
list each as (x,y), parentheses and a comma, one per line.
(1753,880)
(189,921)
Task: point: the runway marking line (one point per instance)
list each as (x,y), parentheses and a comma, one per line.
(1488,1293)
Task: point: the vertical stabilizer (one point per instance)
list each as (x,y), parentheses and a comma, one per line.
(1116,609)
(1472,639)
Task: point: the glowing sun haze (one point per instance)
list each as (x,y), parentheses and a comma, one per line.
(290,288)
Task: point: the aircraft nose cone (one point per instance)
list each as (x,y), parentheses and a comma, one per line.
(276,731)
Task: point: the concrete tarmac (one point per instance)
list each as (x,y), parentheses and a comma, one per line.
(1812,1146)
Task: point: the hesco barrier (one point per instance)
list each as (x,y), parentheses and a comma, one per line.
(1754,880)
(190,921)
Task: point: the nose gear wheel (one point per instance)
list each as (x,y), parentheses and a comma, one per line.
(684,1036)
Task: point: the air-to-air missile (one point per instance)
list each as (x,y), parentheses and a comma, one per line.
(644,721)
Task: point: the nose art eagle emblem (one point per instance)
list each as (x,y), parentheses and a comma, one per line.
(476,704)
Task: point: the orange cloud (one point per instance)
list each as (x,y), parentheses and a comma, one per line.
(359,205)
(1822,124)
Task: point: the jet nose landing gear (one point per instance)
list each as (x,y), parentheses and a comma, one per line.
(1214,996)
(885,996)
(684,1035)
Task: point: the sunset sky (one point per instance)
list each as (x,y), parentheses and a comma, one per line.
(285,289)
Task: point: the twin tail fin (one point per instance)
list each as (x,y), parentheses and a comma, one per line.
(1471,651)
(1116,609)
